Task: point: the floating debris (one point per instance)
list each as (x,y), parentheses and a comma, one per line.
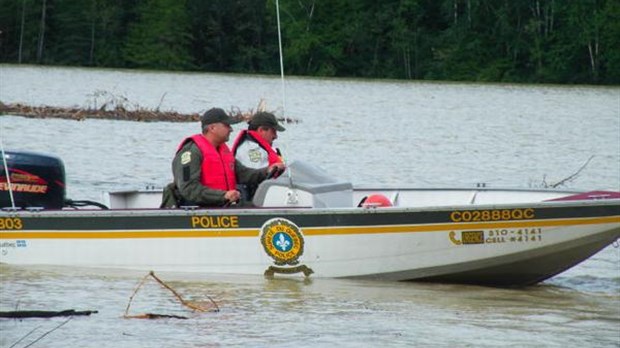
(194,306)
(44,314)
(246,116)
(563,182)
(154,316)
(42,336)
(119,108)
(80,114)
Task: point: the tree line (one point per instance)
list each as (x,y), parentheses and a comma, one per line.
(534,41)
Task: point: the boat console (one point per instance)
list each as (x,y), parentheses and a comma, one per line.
(304,185)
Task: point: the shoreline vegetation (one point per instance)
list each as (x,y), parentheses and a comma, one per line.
(519,41)
(119,108)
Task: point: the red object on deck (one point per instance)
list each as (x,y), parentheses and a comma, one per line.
(589,196)
(377,200)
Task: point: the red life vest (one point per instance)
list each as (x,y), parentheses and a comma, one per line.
(218,166)
(272,156)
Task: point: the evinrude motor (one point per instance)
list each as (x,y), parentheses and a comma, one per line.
(36,180)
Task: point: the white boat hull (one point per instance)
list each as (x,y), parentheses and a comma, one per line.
(370,244)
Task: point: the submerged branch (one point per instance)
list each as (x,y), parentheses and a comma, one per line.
(25,336)
(154,316)
(48,332)
(191,305)
(186,303)
(570,177)
(43,314)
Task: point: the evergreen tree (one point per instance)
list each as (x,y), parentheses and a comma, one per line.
(20,29)
(610,42)
(160,37)
(110,31)
(235,36)
(470,40)
(70,32)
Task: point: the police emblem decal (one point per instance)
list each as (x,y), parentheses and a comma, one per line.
(186,157)
(282,241)
(255,155)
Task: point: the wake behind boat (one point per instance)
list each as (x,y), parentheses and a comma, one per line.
(312,224)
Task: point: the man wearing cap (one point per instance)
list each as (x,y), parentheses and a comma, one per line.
(254,147)
(205,171)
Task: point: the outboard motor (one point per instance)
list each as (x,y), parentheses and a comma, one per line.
(36,180)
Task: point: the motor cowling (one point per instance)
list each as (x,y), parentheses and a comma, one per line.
(36,180)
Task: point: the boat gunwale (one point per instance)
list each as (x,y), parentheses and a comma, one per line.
(245,211)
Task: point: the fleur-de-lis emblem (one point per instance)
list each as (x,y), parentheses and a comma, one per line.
(282,242)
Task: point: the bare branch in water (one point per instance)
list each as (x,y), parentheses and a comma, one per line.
(155,316)
(161,101)
(190,305)
(261,107)
(567,179)
(41,314)
(186,303)
(49,332)
(28,334)
(44,314)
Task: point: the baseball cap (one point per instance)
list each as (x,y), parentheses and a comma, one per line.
(266,119)
(216,115)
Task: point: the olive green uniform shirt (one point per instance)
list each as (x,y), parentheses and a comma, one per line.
(187,168)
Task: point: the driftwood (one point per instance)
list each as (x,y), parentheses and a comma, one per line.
(80,114)
(40,337)
(191,305)
(44,314)
(568,178)
(116,108)
(153,316)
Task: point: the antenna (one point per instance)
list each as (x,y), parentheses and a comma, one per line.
(6,172)
(281,56)
(288,172)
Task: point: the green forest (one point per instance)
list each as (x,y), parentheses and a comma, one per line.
(522,41)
